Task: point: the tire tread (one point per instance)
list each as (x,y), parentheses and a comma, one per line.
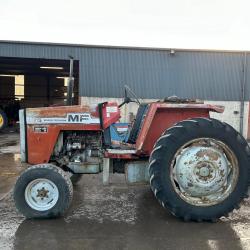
(163,142)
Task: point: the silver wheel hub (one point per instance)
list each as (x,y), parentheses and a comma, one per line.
(202,172)
(41,194)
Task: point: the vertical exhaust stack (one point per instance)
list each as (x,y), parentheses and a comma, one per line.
(71,79)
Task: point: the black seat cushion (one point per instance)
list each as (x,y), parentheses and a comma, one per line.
(141,113)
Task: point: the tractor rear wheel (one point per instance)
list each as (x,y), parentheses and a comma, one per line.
(200,169)
(43,191)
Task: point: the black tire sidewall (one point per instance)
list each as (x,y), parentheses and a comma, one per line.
(19,193)
(75,178)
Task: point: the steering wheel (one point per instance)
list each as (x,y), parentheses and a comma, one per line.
(127,99)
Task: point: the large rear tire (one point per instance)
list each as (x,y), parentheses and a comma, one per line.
(43,191)
(200,169)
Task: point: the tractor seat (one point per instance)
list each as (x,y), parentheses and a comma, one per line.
(136,128)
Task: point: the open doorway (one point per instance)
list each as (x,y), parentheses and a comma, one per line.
(26,83)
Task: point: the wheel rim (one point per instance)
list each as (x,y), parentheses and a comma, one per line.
(1,120)
(204,172)
(41,194)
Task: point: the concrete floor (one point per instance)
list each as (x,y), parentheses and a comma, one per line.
(111,217)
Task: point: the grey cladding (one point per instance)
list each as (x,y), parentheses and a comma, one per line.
(151,73)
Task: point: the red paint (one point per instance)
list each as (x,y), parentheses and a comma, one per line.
(110,117)
(160,116)
(120,156)
(41,145)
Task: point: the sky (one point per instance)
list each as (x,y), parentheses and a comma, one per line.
(188,24)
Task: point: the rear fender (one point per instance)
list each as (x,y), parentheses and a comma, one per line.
(162,116)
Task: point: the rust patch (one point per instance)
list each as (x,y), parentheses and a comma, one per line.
(209,153)
(205,199)
(222,173)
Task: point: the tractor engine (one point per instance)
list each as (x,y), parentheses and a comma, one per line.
(80,151)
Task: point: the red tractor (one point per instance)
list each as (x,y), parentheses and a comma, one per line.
(198,167)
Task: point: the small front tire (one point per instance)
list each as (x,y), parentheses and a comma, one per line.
(43,191)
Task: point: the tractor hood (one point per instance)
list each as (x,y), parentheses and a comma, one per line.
(62,115)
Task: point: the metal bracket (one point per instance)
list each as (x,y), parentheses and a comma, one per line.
(107,169)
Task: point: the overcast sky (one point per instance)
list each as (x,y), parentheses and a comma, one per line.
(197,24)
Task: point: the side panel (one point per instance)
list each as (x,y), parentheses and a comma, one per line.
(42,139)
(161,117)
(45,124)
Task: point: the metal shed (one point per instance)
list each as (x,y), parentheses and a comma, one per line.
(150,72)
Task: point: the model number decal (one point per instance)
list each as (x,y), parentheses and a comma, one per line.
(40,129)
(82,118)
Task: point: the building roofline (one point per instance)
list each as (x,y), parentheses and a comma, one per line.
(119,47)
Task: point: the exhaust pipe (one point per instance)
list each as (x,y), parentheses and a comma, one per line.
(71,79)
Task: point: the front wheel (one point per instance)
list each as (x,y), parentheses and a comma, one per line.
(199,169)
(43,191)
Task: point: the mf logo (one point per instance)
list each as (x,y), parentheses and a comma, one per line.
(81,118)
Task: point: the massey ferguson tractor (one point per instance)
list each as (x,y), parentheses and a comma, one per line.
(197,167)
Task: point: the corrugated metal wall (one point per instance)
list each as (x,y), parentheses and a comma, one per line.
(150,73)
